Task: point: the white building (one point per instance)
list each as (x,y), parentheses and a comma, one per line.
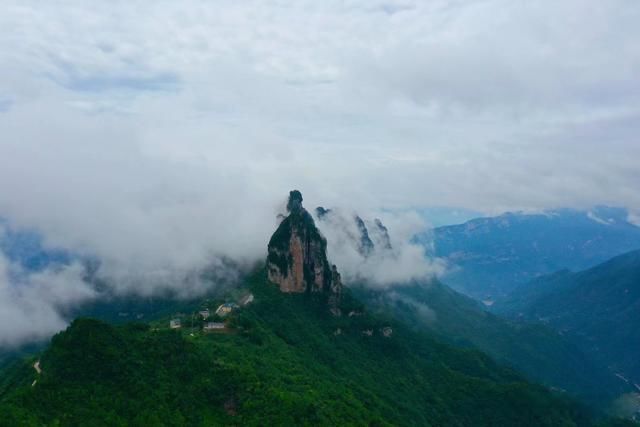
(225,309)
(175,323)
(213,326)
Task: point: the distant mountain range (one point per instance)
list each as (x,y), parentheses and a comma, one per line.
(489,257)
(599,306)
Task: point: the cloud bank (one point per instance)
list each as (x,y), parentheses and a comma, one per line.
(391,259)
(162,139)
(33,305)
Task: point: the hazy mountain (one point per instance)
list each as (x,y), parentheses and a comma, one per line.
(304,351)
(488,257)
(600,306)
(539,352)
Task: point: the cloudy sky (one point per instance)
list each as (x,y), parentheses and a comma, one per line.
(155,134)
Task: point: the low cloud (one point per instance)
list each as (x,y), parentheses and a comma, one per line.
(33,306)
(422,310)
(634,218)
(163,142)
(400,262)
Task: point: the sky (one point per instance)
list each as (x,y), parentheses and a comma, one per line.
(158,136)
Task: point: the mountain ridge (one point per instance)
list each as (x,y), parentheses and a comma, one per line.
(489,257)
(600,306)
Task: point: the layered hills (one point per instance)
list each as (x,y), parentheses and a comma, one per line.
(600,307)
(305,351)
(490,257)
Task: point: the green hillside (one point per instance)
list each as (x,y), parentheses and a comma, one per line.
(540,353)
(284,361)
(600,307)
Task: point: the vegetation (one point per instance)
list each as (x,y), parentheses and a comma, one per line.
(288,362)
(537,351)
(603,316)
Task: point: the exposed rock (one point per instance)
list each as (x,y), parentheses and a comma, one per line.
(295,202)
(335,291)
(365,245)
(297,260)
(382,234)
(359,236)
(321,212)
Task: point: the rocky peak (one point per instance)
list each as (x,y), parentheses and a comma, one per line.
(322,212)
(297,256)
(366,240)
(365,245)
(383,234)
(294,205)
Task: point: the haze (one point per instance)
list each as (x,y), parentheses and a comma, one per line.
(163,138)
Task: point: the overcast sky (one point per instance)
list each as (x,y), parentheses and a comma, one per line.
(153,134)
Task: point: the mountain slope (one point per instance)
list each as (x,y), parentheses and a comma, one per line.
(285,364)
(537,351)
(491,256)
(599,306)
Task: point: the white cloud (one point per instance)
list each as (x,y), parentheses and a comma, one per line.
(634,218)
(403,262)
(33,305)
(162,138)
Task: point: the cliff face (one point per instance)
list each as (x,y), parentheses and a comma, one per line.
(366,241)
(297,259)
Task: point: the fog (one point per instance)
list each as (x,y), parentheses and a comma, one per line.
(33,305)
(402,262)
(162,140)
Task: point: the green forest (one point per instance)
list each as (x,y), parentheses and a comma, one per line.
(283,360)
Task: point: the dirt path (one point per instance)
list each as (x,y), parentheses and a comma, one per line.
(36,366)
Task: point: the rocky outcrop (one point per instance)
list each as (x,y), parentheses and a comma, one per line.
(321,212)
(297,256)
(365,245)
(335,291)
(383,234)
(365,240)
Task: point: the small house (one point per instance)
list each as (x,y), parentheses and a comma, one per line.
(225,309)
(204,313)
(175,323)
(213,326)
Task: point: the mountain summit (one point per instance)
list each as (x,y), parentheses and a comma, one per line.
(297,260)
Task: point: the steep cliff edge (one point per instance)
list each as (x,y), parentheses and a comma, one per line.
(297,256)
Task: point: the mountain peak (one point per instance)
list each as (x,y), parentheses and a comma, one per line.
(294,205)
(297,256)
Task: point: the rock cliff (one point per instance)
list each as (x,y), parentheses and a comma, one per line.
(297,256)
